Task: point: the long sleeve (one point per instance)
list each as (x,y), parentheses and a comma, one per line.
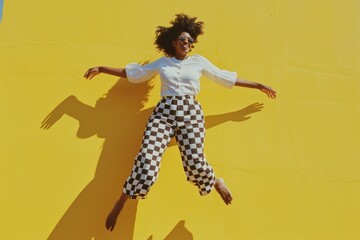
(222,77)
(137,73)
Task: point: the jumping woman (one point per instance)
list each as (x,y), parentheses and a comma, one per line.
(177,114)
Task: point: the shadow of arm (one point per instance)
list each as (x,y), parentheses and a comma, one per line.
(72,107)
(237,116)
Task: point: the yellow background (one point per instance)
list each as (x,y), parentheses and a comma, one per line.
(293,167)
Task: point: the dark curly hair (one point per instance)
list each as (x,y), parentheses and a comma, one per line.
(166,35)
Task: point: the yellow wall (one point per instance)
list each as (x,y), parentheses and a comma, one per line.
(293,167)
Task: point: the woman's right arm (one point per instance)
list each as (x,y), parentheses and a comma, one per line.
(92,72)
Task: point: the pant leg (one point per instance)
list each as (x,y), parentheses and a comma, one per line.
(190,136)
(157,135)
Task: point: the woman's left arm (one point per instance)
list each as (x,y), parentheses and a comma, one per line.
(248,84)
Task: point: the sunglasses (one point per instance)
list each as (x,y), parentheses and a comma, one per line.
(183,38)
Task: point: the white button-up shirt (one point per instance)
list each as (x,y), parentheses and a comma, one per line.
(180,77)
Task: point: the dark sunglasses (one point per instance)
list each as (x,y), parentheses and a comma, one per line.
(183,38)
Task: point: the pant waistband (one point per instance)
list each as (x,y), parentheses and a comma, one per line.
(179,97)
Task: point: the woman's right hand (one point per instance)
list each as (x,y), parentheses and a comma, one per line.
(271,93)
(92,72)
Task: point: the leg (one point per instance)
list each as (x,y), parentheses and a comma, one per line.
(145,171)
(197,169)
(223,190)
(190,138)
(112,217)
(157,136)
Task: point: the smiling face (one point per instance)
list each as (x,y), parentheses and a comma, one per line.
(183,45)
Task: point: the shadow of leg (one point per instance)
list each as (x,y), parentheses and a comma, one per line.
(180,232)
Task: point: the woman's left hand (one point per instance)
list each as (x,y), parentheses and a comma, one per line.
(269,91)
(92,72)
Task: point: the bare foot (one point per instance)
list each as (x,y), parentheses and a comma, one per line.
(113,215)
(223,190)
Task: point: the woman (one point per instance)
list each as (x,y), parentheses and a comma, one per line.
(177,113)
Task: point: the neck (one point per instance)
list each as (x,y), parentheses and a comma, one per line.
(181,57)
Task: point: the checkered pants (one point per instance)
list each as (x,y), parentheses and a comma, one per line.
(182,117)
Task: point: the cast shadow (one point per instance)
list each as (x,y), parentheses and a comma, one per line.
(236,116)
(179,232)
(117,117)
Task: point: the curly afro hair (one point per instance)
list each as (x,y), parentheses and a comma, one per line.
(166,35)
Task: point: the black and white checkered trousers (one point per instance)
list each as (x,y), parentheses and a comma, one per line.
(182,117)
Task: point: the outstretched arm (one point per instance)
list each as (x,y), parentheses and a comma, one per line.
(92,72)
(248,84)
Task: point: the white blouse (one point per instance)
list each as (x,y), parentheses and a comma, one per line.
(180,77)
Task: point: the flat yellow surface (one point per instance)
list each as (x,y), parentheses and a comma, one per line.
(293,167)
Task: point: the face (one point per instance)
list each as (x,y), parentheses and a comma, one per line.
(183,45)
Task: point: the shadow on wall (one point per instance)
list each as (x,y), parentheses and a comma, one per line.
(180,232)
(118,119)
